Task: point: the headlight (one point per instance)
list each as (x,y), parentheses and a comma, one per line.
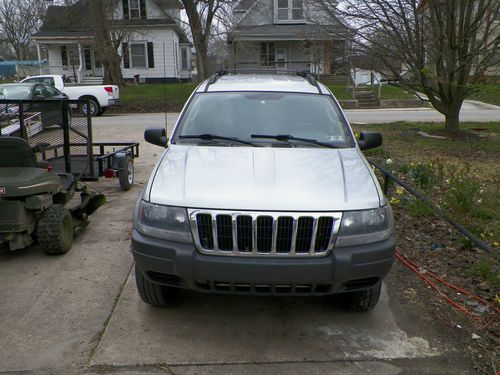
(165,222)
(366,226)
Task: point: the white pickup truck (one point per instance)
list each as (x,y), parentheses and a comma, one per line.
(100,97)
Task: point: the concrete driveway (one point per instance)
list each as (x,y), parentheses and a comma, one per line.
(80,313)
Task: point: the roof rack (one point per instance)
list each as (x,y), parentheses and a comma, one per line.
(310,79)
(213,78)
(304,74)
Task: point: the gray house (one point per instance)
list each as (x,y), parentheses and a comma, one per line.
(155,50)
(289,34)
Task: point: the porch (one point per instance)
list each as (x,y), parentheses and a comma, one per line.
(317,57)
(76,59)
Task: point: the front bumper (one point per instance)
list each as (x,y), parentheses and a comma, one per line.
(181,265)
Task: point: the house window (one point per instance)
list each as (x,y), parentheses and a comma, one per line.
(267,56)
(288,10)
(184,58)
(70,57)
(74,56)
(134,9)
(138,55)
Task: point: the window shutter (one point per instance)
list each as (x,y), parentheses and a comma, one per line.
(125,9)
(142,4)
(64,56)
(125,56)
(151,58)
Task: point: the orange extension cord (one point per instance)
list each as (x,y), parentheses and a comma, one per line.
(428,276)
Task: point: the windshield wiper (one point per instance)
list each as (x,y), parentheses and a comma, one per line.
(214,137)
(287,137)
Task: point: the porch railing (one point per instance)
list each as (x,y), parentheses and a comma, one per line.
(276,66)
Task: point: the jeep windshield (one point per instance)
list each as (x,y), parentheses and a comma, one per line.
(239,115)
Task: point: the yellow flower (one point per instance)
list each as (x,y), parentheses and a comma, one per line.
(394,200)
(400,190)
(497,299)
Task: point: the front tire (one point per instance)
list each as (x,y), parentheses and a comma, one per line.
(55,230)
(152,293)
(363,300)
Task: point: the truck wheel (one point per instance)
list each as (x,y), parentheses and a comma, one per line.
(55,230)
(101,112)
(363,300)
(126,174)
(152,293)
(93,107)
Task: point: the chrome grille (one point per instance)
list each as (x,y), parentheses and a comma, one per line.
(219,232)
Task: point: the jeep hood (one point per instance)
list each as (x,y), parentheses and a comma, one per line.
(270,179)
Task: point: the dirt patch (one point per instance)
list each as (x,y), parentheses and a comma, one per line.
(436,247)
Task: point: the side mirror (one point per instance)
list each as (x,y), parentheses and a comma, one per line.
(156,136)
(369,140)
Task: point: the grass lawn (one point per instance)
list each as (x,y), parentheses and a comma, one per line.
(488,94)
(462,173)
(341,92)
(395,92)
(155,97)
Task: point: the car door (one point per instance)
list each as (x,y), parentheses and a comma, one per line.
(51,107)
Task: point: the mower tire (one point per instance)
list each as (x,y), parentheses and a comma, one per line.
(55,230)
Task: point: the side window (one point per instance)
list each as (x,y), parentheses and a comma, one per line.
(48,81)
(39,92)
(30,80)
(52,91)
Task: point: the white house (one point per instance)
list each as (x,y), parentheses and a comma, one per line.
(156,48)
(289,34)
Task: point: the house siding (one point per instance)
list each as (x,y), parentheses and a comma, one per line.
(164,44)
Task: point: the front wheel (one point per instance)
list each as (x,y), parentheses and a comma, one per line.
(55,230)
(152,293)
(126,173)
(92,107)
(363,300)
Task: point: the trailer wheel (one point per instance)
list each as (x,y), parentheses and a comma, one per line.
(152,293)
(363,300)
(126,173)
(55,230)
(93,107)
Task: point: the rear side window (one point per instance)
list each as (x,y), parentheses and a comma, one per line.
(46,80)
(241,114)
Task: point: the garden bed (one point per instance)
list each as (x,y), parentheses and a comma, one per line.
(460,174)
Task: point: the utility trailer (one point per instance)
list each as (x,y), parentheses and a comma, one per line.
(70,146)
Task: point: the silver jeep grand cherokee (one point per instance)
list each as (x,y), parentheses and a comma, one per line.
(262,189)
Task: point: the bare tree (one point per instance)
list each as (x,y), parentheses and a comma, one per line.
(108,37)
(442,48)
(202,16)
(19,19)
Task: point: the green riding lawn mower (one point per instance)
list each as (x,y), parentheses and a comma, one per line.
(39,205)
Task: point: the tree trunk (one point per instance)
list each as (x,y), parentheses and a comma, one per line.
(202,62)
(452,122)
(112,70)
